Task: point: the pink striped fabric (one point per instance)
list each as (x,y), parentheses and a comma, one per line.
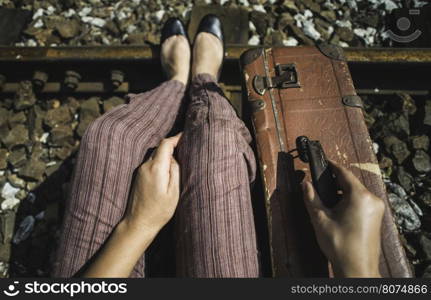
(215,232)
(112,147)
(215,228)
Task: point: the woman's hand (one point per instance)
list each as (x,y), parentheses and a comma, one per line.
(156,189)
(153,200)
(349,233)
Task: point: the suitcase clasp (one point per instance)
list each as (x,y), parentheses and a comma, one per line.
(287,77)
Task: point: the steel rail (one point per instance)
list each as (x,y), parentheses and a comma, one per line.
(126,52)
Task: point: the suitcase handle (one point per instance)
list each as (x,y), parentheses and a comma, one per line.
(323,178)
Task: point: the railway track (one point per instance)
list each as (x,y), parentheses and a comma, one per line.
(61,73)
(373,70)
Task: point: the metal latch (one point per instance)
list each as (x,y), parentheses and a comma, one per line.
(287,77)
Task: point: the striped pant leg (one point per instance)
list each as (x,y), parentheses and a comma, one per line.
(215,231)
(112,147)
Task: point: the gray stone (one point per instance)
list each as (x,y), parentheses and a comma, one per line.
(420,142)
(137,38)
(323,28)
(18,157)
(89,111)
(24,230)
(405,179)
(72,104)
(396,189)
(33,170)
(290,5)
(111,103)
(275,38)
(369,119)
(41,35)
(18,118)
(53,103)
(60,153)
(7,103)
(425,198)
(421,162)
(385,162)
(57,116)
(18,135)
(335,40)
(37,150)
(31,197)
(70,3)
(389,141)
(3,158)
(112,27)
(370,19)
(21,195)
(312,5)
(52,20)
(299,34)
(427,272)
(345,34)
(403,103)
(285,19)
(376,113)
(7,224)
(4,116)
(425,244)
(415,207)
(90,107)
(24,97)
(68,28)
(52,169)
(36,125)
(62,135)
(31,186)
(329,15)
(400,151)
(16,181)
(260,21)
(427,117)
(405,216)
(398,124)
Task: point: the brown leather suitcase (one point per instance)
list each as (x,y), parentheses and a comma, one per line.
(309,91)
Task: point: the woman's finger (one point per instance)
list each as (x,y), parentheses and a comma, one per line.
(314,205)
(162,157)
(345,178)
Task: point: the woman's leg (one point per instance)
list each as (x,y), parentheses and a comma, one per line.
(215,228)
(111,149)
(113,146)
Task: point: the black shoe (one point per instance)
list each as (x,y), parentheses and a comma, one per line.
(173,26)
(212,24)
